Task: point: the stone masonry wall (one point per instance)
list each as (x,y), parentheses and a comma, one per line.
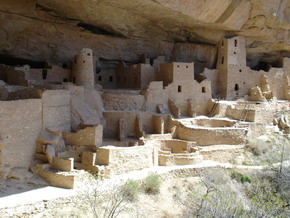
(20,123)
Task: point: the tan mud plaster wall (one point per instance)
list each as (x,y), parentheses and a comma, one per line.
(107,78)
(56,110)
(125,159)
(112,123)
(20,124)
(180,86)
(136,77)
(123,102)
(211,136)
(212,75)
(54,75)
(180,93)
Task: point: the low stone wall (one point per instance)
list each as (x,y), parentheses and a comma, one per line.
(212,122)
(211,136)
(125,159)
(174,159)
(176,146)
(90,137)
(237,114)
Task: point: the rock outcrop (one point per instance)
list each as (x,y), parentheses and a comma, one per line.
(41,30)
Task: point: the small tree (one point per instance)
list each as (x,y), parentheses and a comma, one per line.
(106,201)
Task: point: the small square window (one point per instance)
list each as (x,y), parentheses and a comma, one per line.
(100,78)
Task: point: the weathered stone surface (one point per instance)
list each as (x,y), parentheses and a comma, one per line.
(90,137)
(56,30)
(56,110)
(94,100)
(82,114)
(20,123)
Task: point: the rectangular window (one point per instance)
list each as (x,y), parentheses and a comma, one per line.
(179,89)
(236,43)
(237,87)
(44,74)
(100,78)
(223,59)
(203,90)
(111,79)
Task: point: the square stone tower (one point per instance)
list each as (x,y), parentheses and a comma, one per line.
(232,68)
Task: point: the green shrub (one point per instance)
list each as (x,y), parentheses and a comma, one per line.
(130,190)
(246,179)
(151,184)
(240,177)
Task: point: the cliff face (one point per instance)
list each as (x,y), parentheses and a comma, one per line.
(53,30)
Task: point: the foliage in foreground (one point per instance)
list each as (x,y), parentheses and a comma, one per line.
(111,200)
(152,184)
(226,194)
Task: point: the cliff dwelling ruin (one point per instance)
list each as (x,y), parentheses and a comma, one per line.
(79,94)
(58,120)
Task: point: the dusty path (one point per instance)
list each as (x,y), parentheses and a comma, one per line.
(50,193)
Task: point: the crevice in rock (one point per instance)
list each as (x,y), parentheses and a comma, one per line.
(99,30)
(53,13)
(194,42)
(15,61)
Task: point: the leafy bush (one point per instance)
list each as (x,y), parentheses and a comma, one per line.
(240,177)
(245,179)
(151,184)
(130,190)
(96,198)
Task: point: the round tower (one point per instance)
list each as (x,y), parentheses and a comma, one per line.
(83,69)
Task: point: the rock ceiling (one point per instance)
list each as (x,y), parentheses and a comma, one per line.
(183,30)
